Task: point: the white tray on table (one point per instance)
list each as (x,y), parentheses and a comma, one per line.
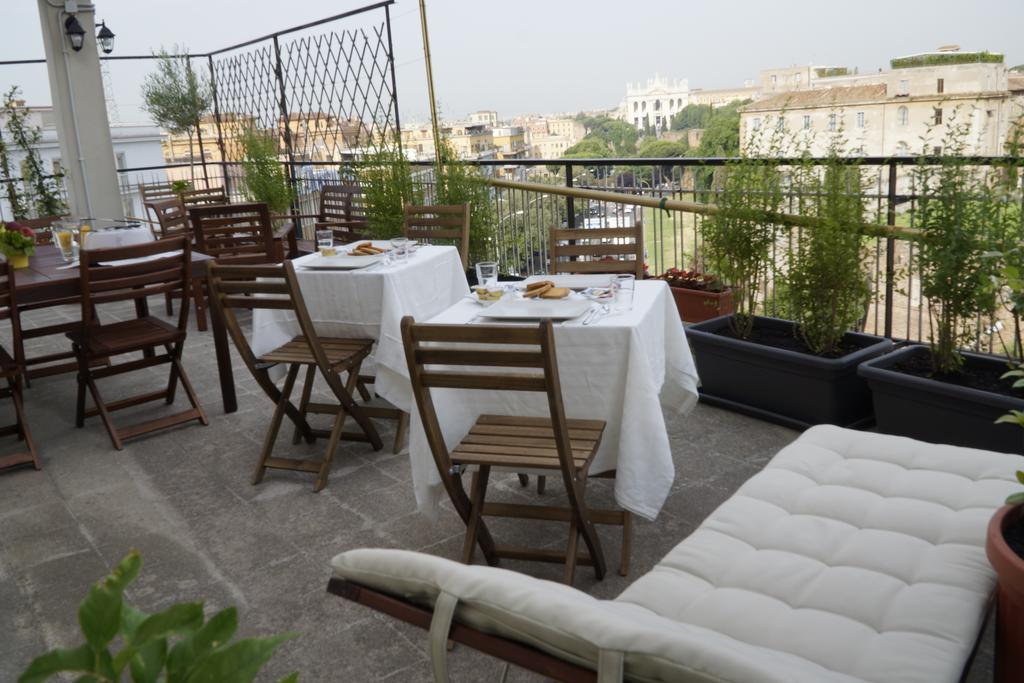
(341,262)
(536,309)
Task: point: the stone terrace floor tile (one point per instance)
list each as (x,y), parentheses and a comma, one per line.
(183,498)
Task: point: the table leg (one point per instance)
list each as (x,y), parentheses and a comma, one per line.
(223,353)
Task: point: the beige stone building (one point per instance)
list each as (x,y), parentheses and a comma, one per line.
(547,137)
(716,97)
(900,112)
(468,140)
(509,142)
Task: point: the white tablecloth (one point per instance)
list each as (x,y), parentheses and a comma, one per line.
(369,303)
(623,370)
(120,237)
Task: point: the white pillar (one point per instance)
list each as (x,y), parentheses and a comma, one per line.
(80,112)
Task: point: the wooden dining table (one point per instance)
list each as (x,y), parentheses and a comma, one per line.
(47,282)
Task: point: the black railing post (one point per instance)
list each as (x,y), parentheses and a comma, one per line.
(279,73)
(890,249)
(570,218)
(220,133)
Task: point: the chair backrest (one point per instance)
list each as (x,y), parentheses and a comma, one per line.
(171,216)
(234,233)
(273,287)
(204,197)
(155,192)
(133,273)
(597,250)
(9,309)
(439,358)
(447,222)
(343,210)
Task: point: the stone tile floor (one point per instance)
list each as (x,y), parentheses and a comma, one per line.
(183,498)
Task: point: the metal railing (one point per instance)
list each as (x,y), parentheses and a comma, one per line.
(526,209)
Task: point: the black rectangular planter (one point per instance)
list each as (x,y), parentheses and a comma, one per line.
(939,412)
(786,387)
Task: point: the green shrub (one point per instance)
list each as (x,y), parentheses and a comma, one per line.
(177,645)
(826,282)
(739,237)
(385,177)
(459,183)
(957,276)
(944,58)
(265,177)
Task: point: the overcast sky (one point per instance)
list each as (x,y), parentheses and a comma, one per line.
(543,56)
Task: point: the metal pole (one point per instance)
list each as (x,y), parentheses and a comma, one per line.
(430,86)
(278,72)
(394,85)
(220,132)
(890,248)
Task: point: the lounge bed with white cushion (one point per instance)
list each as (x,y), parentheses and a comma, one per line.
(850,557)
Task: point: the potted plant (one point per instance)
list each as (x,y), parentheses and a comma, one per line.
(17,243)
(938,392)
(803,371)
(1004,546)
(178,644)
(699,296)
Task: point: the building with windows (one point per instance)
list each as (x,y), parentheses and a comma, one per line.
(650,105)
(716,97)
(486,117)
(906,110)
(509,142)
(134,146)
(468,140)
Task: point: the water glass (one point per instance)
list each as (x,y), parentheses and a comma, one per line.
(64,238)
(487,273)
(325,242)
(623,288)
(400,248)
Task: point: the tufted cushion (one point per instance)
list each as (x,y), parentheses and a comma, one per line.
(850,557)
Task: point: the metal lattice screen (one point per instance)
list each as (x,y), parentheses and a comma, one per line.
(323,93)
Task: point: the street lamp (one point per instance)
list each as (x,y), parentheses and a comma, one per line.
(105,38)
(75,33)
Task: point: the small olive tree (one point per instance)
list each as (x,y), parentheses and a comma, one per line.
(265,178)
(176,96)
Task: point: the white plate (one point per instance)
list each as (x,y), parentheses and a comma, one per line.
(572,281)
(536,309)
(341,262)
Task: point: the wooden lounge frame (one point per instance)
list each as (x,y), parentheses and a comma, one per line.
(507,650)
(276,287)
(553,444)
(611,255)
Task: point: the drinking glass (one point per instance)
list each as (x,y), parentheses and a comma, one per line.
(487,273)
(400,248)
(64,238)
(325,242)
(624,287)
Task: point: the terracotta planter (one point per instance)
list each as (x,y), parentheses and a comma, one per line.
(1009,660)
(696,306)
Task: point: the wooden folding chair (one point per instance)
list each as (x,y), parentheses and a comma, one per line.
(276,287)
(447,222)
(234,234)
(596,250)
(438,357)
(171,216)
(11,370)
(208,196)
(151,269)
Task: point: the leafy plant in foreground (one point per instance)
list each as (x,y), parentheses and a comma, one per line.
(265,178)
(385,177)
(177,644)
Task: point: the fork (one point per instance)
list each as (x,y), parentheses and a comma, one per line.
(596,314)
